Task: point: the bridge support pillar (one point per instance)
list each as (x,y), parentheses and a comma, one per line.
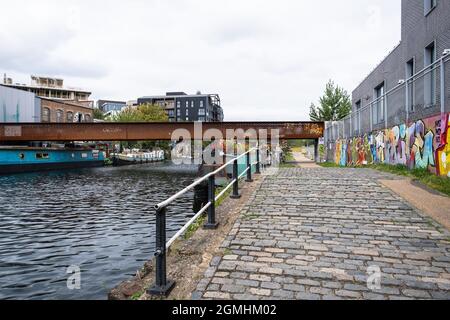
(316,151)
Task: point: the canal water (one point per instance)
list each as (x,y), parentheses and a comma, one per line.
(100,220)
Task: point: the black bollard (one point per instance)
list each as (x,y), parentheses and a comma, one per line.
(235,194)
(211,224)
(249,169)
(162,286)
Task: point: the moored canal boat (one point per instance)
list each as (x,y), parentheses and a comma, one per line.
(135,156)
(31,159)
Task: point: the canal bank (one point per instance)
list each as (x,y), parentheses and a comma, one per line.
(189,258)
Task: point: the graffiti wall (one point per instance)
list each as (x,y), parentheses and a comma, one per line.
(422,144)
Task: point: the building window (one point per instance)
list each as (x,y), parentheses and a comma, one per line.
(358,116)
(178,104)
(42,156)
(171,113)
(187,104)
(45,115)
(87,118)
(430,77)
(187,118)
(201,112)
(429,5)
(178,112)
(201,118)
(69,116)
(192,104)
(410,71)
(187,112)
(202,104)
(59,115)
(378,104)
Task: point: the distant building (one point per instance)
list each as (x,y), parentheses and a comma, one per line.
(109,105)
(18,106)
(52,88)
(181,107)
(64,112)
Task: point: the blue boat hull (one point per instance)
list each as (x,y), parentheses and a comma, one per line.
(23,168)
(19,160)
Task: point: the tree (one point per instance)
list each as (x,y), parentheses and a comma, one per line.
(143,113)
(335,104)
(98,114)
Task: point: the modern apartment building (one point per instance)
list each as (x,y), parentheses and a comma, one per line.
(52,88)
(411,67)
(182,107)
(110,105)
(401,110)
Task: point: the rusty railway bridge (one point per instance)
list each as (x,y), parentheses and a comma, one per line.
(21,132)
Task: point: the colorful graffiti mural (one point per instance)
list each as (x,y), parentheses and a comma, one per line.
(424,144)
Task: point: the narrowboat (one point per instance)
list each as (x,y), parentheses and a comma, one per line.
(31,159)
(136,156)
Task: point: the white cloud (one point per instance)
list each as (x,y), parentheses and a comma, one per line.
(267,59)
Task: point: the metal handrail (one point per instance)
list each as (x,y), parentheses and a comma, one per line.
(199,181)
(162,286)
(428,69)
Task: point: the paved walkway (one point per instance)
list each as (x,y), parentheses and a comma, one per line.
(313,234)
(304,162)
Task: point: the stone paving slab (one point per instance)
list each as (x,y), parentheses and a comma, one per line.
(322,234)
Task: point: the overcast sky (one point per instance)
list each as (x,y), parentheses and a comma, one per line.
(268,60)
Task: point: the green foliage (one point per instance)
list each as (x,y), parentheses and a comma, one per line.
(195,226)
(98,114)
(202,219)
(335,104)
(137,295)
(143,113)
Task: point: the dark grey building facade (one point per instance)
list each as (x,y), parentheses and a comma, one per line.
(401,88)
(182,107)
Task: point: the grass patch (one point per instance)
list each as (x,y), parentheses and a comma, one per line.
(329,165)
(227,252)
(287,165)
(202,219)
(195,226)
(224,197)
(137,295)
(289,157)
(441,184)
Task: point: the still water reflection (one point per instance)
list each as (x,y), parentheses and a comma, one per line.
(98,219)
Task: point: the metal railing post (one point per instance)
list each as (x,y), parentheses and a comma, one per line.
(407,101)
(162,286)
(235,194)
(249,168)
(442,86)
(258,164)
(211,224)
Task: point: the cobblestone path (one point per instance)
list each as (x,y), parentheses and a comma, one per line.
(313,234)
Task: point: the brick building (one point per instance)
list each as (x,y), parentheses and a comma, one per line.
(60,111)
